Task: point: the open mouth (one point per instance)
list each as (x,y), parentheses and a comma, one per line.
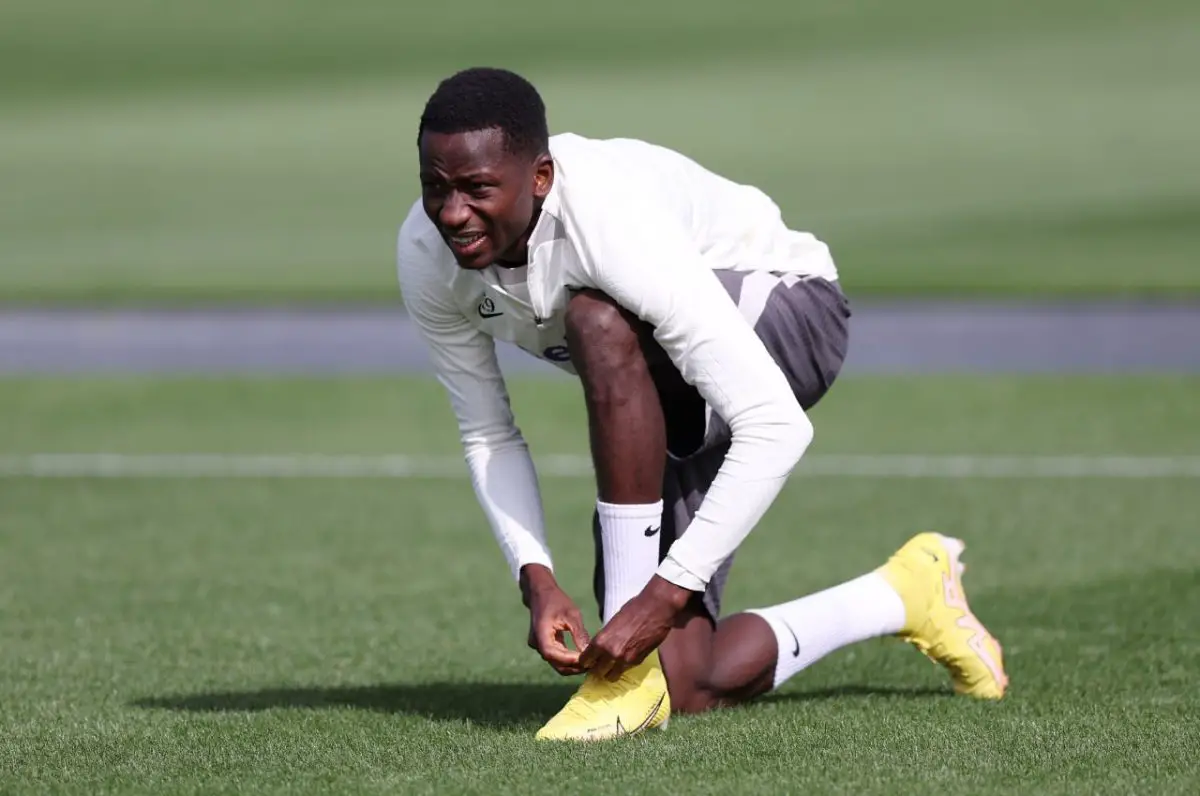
(465,243)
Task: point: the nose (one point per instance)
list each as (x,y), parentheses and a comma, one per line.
(454,213)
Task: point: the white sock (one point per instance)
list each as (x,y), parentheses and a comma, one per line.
(810,628)
(630,550)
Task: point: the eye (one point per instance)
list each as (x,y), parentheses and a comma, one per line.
(432,187)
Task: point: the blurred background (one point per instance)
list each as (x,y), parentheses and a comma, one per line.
(264,150)
(198,210)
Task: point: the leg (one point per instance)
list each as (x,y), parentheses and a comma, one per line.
(707,664)
(628,442)
(917,595)
(625,419)
(711,664)
(741,657)
(804,325)
(627,380)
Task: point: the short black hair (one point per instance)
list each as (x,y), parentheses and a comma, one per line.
(482,98)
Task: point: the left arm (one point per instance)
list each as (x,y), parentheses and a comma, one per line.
(655,271)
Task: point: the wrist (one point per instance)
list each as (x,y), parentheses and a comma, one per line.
(674,572)
(535,579)
(667,592)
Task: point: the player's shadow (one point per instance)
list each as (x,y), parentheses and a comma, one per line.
(499,705)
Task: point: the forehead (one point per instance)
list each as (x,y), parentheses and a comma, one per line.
(471,150)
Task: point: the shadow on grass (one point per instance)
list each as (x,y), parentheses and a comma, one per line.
(499,705)
(490,704)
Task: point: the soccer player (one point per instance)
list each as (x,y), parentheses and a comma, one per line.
(702,328)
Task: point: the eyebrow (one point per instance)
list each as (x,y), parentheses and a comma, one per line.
(473,176)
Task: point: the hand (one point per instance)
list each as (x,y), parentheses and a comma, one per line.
(637,629)
(552,614)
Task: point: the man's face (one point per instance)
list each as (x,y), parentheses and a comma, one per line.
(481,197)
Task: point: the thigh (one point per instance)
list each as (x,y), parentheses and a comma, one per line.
(804,323)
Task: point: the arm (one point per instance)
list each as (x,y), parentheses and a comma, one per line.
(464,359)
(650,266)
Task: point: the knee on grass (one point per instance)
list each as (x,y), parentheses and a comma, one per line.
(736,665)
(719,689)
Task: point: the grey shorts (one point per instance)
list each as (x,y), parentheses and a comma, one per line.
(804,324)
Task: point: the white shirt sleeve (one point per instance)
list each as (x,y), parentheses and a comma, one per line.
(648,263)
(464,359)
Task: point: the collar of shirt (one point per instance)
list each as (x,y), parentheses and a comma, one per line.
(547,245)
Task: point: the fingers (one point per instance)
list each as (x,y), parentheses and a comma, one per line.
(554,650)
(592,652)
(611,655)
(578,631)
(551,645)
(624,660)
(550,622)
(599,657)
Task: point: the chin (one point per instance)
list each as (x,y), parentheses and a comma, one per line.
(476,263)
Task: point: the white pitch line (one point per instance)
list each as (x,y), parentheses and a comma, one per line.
(198,465)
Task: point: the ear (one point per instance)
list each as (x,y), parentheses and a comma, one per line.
(543,176)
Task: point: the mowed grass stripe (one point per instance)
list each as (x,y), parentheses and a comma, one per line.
(931,415)
(982,162)
(210,465)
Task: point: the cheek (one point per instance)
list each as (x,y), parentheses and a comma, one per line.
(431,207)
(515,212)
(522,211)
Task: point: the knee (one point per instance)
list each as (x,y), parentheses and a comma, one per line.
(713,688)
(701,698)
(604,339)
(722,684)
(738,681)
(687,692)
(593,319)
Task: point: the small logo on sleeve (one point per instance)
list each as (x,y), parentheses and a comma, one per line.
(487,308)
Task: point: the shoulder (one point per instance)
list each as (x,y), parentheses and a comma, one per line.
(579,148)
(597,179)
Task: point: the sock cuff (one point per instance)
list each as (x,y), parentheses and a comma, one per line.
(629,511)
(785,645)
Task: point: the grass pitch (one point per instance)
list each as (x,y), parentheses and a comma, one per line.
(273,635)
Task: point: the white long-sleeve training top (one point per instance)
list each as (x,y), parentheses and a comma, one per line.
(647,226)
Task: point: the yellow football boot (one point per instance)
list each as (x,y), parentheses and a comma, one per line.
(601,709)
(927,574)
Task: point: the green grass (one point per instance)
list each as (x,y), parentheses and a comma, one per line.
(263,151)
(336,636)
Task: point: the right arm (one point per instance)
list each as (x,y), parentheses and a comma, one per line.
(501,468)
